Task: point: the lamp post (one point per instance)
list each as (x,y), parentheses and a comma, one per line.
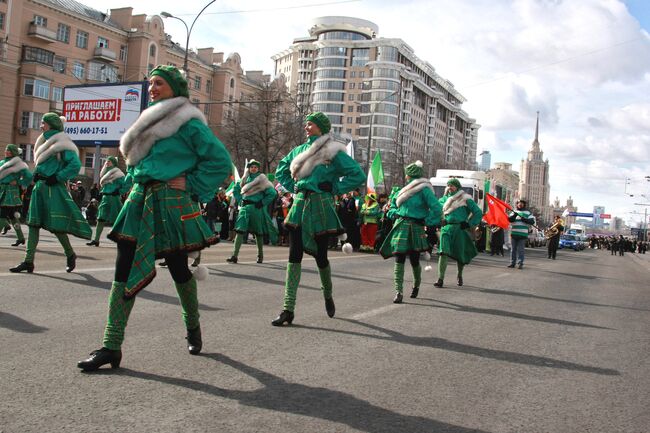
(645,220)
(188,33)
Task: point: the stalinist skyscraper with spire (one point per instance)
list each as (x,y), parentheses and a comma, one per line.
(533,180)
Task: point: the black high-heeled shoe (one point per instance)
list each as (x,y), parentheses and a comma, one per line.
(330,307)
(71,263)
(414,292)
(260,259)
(93,243)
(24,266)
(232,259)
(438,283)
(18,242)
(398,298)
(194,342)
(285,316)
(101,357)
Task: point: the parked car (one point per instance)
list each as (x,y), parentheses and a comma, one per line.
(571,241)
(536,239)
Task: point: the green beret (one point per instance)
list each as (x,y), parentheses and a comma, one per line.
(454,182)
(414,170)
(174,78)
(113,160)
(321,120)
(253,162)
(13,149)
(54,121)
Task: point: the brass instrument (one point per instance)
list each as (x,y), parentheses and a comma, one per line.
(553,230)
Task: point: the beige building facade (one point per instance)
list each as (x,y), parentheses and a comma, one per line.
(49,44)
(504,182)
(377,91)
(534,177)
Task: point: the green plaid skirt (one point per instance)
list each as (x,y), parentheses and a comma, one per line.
(109,208)
(52,208)
(10,195)
(316,215)
(406,236)
(160,220)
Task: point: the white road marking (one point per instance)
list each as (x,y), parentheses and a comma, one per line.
(375,312)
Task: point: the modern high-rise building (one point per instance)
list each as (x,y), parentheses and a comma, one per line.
(486,160)
(533,180)
(379,93)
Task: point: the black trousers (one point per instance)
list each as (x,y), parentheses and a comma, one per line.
(414,258)
(553,245)
(176,263)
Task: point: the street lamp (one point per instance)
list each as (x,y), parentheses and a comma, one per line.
(188,32)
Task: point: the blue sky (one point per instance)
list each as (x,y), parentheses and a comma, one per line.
(583,64)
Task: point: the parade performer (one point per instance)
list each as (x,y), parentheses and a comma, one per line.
(174,160)
(460,214)
(316,171)
(254,193)
(51,207)
(114,184)
(554,232)
(413,207)
(14,174)
(370,215)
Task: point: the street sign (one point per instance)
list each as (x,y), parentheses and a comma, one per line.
(605,216)
(581,214)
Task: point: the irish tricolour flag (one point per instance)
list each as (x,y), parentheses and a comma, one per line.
(375,174)
(234,176)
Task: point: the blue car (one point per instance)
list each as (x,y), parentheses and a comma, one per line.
(571,241)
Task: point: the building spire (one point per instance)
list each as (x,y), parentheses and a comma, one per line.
(536,140)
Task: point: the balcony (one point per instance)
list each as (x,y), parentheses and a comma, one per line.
(103,53)
(42,33)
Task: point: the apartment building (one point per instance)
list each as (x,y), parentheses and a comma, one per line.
(379,93)
(46,45)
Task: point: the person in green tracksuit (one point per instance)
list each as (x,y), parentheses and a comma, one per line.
(413,208)
(14,174)
(315,171)
(460,215)
(175,161)
(114,184)
(254,193)
(51,207)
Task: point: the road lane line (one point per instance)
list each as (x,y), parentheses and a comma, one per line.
(375,312)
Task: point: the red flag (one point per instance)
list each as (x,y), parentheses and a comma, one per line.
(496,214)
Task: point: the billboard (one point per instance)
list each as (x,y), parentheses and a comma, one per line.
(98,114)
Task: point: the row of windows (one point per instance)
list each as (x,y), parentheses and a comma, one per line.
(341,36)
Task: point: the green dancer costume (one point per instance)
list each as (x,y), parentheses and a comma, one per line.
(254,193)
(460,214)
(14,175)
(51,207)
(113,184)
(315,171)
(412,208)
(175,161)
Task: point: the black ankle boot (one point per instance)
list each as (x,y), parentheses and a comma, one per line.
(101,357)
(93,243)
(232,259)
(194,342)
(71,263)
(260,259)
(438,283)
(285,316)
(398,298)
(24,266)
(414,292)
(15,244)
(196,262)
(329,307)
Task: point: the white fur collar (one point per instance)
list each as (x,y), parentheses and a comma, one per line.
(159,121)
(110,176)
(14,165)
(259,184)
(455,201)
(410,189)
(321,151)
(54,145)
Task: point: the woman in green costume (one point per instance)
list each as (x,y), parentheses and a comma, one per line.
(114,184)
(14,174)
(174,160)
(413,207)
(51,207)
(254,193)
(460,214)
(315,171)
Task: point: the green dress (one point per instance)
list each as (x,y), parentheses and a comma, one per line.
(14,174)
(253,219)
(416,208)
(51,207)
(313,209)
(455,242)
(111,203)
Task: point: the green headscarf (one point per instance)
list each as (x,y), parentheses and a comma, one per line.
(53,119)
(414,170)
(113,160)
(321,120)
(174,78)
(13,149)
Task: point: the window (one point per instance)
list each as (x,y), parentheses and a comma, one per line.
(102,72)
(197,82)
(206,110)
(152,51)
(37,88)
(40,21)
(351,85)
(102,42)
(2,21)
(63,33)
(38,55)
(78,70)
(82,39)
(360,57)
(57,94)
(31,120)
(351,97)
(232,83)
(208,86)
(89,160)
(123,51)
(59,64)
(350,108)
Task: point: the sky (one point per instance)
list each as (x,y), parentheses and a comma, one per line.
(584,65)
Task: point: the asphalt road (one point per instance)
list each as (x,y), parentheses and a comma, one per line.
(559,346)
